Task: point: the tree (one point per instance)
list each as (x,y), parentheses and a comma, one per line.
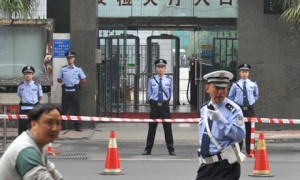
(291,13)
(22,8)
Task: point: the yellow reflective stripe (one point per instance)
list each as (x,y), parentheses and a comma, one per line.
(261,144)
(261,172)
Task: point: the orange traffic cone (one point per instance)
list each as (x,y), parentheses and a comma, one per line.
(261,166)
(112,164)
(50,150)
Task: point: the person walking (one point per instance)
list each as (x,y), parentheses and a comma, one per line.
(221,128)
(71,76)
(160,89)
(25,157)
(30,94)
(245,93)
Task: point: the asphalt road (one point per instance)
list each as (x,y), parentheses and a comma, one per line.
(85,159)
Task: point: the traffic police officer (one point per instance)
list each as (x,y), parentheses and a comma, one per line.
(30,94)
(245,94)
(160,89)
(221,127)
(70,76)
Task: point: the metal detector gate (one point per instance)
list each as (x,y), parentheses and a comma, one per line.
(153,53)
(118,74)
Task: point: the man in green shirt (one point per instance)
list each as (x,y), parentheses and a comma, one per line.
(25,158)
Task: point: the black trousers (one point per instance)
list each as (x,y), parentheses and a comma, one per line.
(70,97)
(23,123)
(248,113)
(157,112)
(221,170)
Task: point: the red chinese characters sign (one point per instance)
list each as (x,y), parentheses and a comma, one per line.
(152,2)
(187,8)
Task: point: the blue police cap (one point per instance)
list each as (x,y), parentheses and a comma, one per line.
(28,69)
(160,62)
(70,54)
(219,78)
(245,66)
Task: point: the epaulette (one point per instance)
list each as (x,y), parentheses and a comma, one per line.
(64,66)
(204,104)
(21,83)
(36,83)
(230,107)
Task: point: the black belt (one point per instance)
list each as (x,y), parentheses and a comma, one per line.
(28,104)
(245,108)
(156,103)
(75,87)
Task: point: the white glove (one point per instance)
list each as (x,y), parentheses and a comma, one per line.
(54,172)
(215,115)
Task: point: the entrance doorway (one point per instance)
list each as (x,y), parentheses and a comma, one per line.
(128,57)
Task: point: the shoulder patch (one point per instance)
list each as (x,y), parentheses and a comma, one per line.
(230,107)
(240,120)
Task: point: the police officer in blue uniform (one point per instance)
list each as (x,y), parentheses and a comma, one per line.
(221,128)
(245,93)
(30,94)
(160,89)
(70,76)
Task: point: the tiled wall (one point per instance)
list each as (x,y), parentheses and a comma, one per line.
(40,12)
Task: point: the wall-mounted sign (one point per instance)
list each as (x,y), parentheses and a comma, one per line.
(168,8)
(60,47)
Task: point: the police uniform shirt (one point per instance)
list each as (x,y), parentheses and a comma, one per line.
(71,76)
(29,93)
(225,134)
(153,87)
(236,92)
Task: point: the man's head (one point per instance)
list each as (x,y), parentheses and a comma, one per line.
(217,83)
(70,57)
(244,70)
(28,72)
(45,121)
(160,66)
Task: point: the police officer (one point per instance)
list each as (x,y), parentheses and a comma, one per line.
(30,94)
(160,89)
(245,94)
(70,76)
(221,127)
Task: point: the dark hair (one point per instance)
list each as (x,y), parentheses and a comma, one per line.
(37,111)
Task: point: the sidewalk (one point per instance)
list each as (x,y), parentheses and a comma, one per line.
(140,135)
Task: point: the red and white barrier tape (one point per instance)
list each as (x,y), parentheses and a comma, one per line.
(134,120)
(104,119)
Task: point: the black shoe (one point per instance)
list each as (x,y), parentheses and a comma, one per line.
(146,152)
(78,129)
(172,153)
